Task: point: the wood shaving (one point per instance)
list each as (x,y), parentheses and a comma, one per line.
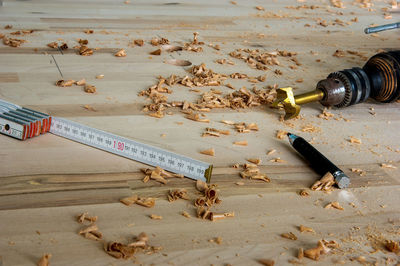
(339,53)
(85,51)
(185,214)
(215,132)
(303,229)
(53,45)
(325,183)
(240,183)
(316,252)
(156,52)
(156,41)
(281,134)
(13,42)
(354,140)
(156,217)
(7,27)
(126,251)
(326,115)
(241,143)
(196,117)
(256,161)
(80,82)
(100,76)
(289,235)
(271,152)
(44,260)
(334,205)
(210,152)
(266,262)
(310,129)
(304,193)
(177,194)
(220,216)
(217,240)
(158,174)
(65,83)
(300,254)
(89,88)
(390,166)
(138,42)
(145,202)
(392,246)
(277,160)
(171,48)
(88,31)
(260,8)
(120,53)
(91,232)
(358,171)
(83,41)
(85,217)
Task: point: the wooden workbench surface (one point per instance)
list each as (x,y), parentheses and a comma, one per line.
(46,181)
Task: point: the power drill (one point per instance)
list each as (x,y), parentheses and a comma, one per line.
(378,79)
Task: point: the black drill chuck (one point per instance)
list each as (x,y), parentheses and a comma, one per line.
(378,79)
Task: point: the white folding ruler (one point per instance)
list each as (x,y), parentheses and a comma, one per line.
(23,123)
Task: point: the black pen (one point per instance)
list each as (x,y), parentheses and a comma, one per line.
(318,161)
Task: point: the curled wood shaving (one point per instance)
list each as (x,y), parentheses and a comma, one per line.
(303,229)
(271,152)
(85,51)
(220,216)
(215,132)
(315,253)
(13,42)
(158,174)
(392,246)
(91,232)
(85,217)
(65,83)
(89,88)
(281,134)
(334,205)
(178,194)
(53,45)
(80,82)
(83,42)
(156,41)
(44,260)
(325,183)
(120,53)
(354,140)
(156,217)
(196,117)
(126,251)
(209,152)
(289,235)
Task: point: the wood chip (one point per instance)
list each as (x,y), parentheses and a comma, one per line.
(266,262)
(156,217)
(390,166)
(300,254)
(209,152)
(334,205)
(304,193)
(303,229)
(260,8)
(187,215)
(281,134)
(89,88)
(101,76)
(145,202)
(65,83)
(289,235)
(241,143)
(85,51)
(392,246)
(271,152)
(138,42)
(256,161)
(85,217)
(44,260)
(80,82)
(120,53)
(12,42)
(240,183)
(354,140)
(177,194)
(315,253)
(156,52)
(358,171)
(53,45)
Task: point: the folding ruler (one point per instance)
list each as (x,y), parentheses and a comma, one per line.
(23,123)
